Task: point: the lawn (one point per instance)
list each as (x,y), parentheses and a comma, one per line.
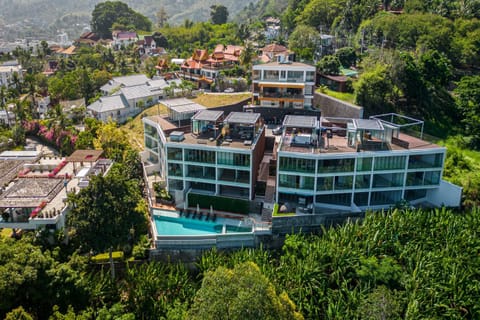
(211,100)
(134,128)
(344,96)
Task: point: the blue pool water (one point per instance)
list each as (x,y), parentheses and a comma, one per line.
(181,226)
(169,226)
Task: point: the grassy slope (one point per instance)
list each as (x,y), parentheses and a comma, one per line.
(134,128)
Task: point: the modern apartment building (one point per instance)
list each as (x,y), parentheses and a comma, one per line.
(359,164)
(284,85)
(215,154)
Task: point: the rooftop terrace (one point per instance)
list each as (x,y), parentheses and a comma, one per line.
(342,135)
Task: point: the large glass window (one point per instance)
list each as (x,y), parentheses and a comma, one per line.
(150,143)
(390,163)
(233,159)
(297,165)
(336,165)
(411,195)
(343,199)
(361,199)
(425,161)
(362,181)
(324,183)
(175,169)
(310,76)
(343,182)
(174,153)
(432,178)
(256,74)
(233,175)
(296,182)
(295,76)
(388,180)
(200,156)
(174,184)
(364,164)
(271,75)
(150,130)
(385,198)
(201,172)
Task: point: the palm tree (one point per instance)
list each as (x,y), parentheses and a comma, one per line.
(3,102)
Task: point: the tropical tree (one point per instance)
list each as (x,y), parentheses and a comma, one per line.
(249,293)
(218,14)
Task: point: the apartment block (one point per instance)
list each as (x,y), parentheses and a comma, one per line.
(284,85)
(359,164)
(214,154)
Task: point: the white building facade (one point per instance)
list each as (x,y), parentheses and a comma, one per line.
(284,85)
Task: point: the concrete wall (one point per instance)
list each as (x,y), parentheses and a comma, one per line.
(309,223)
(447,194)
(332,107)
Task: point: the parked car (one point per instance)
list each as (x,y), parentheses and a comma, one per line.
(229,90)
(278,130)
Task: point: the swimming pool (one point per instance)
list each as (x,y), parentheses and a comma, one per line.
(182,226)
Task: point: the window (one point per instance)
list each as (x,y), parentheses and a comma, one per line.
(390,163)
(174,154)
(336,165)
(297,165)
(200,156)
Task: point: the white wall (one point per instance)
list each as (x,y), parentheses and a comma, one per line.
(446,194)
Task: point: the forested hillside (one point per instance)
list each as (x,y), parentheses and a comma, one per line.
(51,14)
(396,265)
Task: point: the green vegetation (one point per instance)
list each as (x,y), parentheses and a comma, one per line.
(105,257)
(344,96)
(219,203)
(216,100)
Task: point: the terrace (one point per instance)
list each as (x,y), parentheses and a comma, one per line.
(341,135)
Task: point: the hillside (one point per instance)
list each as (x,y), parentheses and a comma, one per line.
(48,16)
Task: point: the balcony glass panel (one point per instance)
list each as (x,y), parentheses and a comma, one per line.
(271,75)
(343,199)
(343,182)
(175,169)
(202,156)
(425,161)
(297,165)
(364,164)
(432,178)
(336,165)
(390,163)
(233,159)
(201,172)
(310,77)
(388,180)
(385,198)
(232,175)
(295,76)
(174,154)
(362,181)
(150,130)
(411,195)
(324,183)
(174,184)
(361,199)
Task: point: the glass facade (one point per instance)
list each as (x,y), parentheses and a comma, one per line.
(336,165)
(201,172)
(364,164)
(297,165)
(425,161)
(296,182)
(233,159)
(175,170)
(388,180)
(362,181)
(174,154)
(150,130)
(202,156)
(390,163)
(342,199)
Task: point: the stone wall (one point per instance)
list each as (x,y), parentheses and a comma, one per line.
(332,107)
(310,223)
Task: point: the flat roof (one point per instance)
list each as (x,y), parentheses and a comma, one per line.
(207,115)
(368,124)
(85,156)
(300,121)
(242,117)
(182,105)
(30,192)
(20,155)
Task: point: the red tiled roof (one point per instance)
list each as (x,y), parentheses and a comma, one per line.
(275,48)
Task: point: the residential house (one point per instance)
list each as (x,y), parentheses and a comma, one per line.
(36,186)
(146,45)
(43,105)
(87,38)
(275,52)
(122,39)
(283,85)
(205,68)
(126,97)
(359,164)
(7,71)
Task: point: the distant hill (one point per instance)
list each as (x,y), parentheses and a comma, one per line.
(51,15)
